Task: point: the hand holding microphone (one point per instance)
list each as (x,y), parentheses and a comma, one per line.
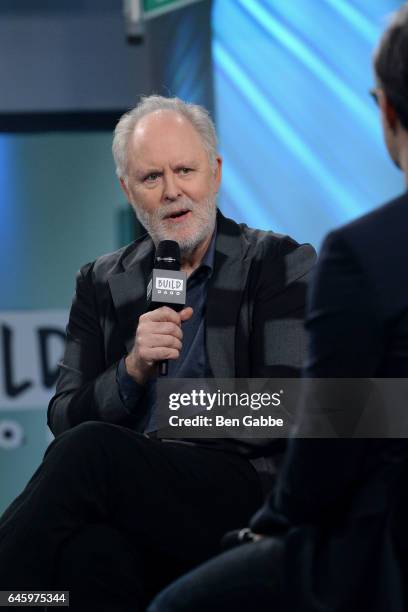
(158,338)
(159,335)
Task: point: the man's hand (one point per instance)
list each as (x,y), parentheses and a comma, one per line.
(231,539)
(257,537)
(158,337)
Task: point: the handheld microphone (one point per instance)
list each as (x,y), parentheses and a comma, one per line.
(167,284)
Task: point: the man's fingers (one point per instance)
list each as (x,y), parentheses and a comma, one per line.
(160,354)
(164,314)
(186,313)
(155,327)
(164,341)
(159,335)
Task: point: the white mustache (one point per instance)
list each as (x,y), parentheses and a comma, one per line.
(167,211)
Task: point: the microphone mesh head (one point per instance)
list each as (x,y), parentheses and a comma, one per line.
(168,255)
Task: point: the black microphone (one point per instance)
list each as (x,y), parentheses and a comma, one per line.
(167,284)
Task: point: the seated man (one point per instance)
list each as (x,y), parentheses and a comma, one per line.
(338,515)
(163,505)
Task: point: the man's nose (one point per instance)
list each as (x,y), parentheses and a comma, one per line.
(171,188)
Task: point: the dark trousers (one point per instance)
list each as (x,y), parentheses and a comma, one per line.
(245,579)
(112,515)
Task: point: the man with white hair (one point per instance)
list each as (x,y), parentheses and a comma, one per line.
(114,512)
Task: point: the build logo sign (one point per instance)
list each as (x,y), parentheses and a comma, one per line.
(31,346)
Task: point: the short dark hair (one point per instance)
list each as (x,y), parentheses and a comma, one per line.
(391,63)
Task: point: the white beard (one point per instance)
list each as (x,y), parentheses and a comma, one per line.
(191,233)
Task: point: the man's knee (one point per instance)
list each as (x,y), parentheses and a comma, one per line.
(84,433)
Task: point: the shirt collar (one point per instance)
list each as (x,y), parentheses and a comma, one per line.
(208,259)
(207,263)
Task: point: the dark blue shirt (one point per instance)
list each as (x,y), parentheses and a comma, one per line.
(193,360)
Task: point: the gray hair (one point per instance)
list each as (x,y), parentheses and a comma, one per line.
(197,115)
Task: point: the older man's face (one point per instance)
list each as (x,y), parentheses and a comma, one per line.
(170,182)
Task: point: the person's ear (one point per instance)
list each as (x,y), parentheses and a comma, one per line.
(125,188)
(388,110)
(218,172)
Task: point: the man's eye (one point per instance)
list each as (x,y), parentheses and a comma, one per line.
(150,178)
(185,171)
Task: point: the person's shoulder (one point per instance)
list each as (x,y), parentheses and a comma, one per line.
(269,245)
(114,262)
(271,251)
(378,226)
(374,251)
(268,242)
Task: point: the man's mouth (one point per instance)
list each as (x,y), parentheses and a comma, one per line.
(177,216)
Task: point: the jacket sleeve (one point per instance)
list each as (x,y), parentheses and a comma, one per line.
(87,387)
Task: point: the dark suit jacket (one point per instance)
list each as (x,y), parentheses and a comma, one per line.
(340,493)
(254,320)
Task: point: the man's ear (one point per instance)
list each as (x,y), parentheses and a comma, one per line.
(387,110)
(218,172)
(125,189)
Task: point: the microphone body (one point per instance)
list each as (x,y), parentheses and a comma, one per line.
(167,284)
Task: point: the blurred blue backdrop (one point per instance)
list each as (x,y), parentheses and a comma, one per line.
(300,136)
